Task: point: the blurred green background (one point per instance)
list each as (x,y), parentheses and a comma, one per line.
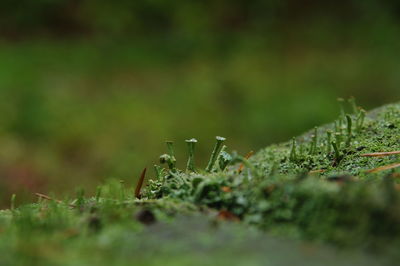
(92,89)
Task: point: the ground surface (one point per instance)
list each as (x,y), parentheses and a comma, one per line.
(316,199)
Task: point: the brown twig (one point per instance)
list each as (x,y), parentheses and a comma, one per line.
(380,154)
(317,171)
(140,183)
(43,196)
(248,155)
(383,168)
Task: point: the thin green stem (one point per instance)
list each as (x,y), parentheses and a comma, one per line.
(191,147)
(349,130)
(293,153)
(171,152)
(13,197)
(314,142)
(337,152)
(328,141)
(215,153)
(170,161)
(98,193)
(338,138)
(360,120)
(224,158)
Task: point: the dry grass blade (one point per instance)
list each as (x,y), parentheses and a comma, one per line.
(43,196)
(380,154)
(246,157)
(317,171)
(383,168)
(140,183)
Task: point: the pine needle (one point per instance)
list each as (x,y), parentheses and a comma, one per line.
(43,196)
(380,154)
(383,168)
(317,171)
(140,183)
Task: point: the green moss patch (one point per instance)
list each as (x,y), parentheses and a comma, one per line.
(321,188)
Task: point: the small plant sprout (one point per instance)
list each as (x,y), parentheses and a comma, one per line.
(349,130)
(158,170)
(12,205)
(215,153)
(301,150)
(328,141)
(171,152)
(338,139)
(293,152)
(314,142)
(170,161)
(140,183)
(360,120)
(170,147)
(338,157)
(224,159)
(191,147)
(98,193)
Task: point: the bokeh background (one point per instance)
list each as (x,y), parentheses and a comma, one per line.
(91,89)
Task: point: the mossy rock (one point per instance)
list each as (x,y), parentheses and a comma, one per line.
(255,211)
(304,189)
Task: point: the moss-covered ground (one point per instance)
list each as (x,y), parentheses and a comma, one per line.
(324,197)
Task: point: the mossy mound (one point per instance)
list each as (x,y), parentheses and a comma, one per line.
(327,185)
(324,187)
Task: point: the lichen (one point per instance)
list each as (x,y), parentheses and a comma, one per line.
(318,187)
(315,187)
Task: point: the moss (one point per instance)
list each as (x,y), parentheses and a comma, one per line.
(301,189)
(305,189)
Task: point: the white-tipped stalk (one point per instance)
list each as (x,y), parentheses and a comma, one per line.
(169,160)
(191,147)
(215,153)
(171,152)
